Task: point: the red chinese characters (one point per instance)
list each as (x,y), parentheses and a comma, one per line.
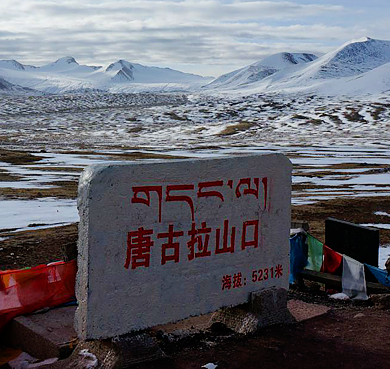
(254,241)
(225,246)
(139,244)
(199,237)
(229,282)
(226,282)
(238,280)
(170,245)
(201,241)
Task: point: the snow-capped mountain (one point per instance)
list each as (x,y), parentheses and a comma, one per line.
(354,58)
(373,82)
(348,70)
(357,67)
(6,87)
(260,70)
(66,75)
(14,65)
(338,72)
(11,64)
(68,65)
(123,71)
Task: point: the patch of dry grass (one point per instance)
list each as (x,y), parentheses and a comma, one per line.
(135,129)
(236,128)
(18,157)
(62,190)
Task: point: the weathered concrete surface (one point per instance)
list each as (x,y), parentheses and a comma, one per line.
(211,232)
(46,335)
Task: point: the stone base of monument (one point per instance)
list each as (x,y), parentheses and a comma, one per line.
(43,335)
(268,307)
(122,352)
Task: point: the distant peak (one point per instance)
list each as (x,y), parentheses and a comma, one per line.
(13,63)
(123,64)
(67,59)
(362,39)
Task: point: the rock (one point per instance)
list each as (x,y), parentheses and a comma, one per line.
(360,315)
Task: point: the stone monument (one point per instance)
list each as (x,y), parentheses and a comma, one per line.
(162,241)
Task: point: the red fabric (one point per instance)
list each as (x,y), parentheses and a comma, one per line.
(26,290)
(332,261)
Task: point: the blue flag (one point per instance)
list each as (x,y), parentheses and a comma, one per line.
(298,255)
(380,274)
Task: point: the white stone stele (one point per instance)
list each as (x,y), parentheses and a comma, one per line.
(114,300)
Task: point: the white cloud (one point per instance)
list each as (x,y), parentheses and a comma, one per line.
(166,32)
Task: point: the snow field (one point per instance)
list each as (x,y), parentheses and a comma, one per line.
(172,121)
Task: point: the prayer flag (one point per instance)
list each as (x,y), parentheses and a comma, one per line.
(332,261)
(315,253)
(381,275)
(298,255)
(353,279)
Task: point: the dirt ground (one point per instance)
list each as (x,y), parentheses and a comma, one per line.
(32,248)
(350,335)
(346,337)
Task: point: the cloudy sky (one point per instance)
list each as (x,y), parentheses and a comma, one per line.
(208,37)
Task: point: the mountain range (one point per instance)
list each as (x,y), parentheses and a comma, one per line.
(260,70)
(357,67)
(67,75)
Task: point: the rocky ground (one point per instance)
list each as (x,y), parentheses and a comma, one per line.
(346,337)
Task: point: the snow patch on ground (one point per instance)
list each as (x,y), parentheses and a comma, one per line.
(376,225)
(21,213)
(382,213)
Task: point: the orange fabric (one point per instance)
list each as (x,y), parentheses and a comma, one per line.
(332,261)
(26,290)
